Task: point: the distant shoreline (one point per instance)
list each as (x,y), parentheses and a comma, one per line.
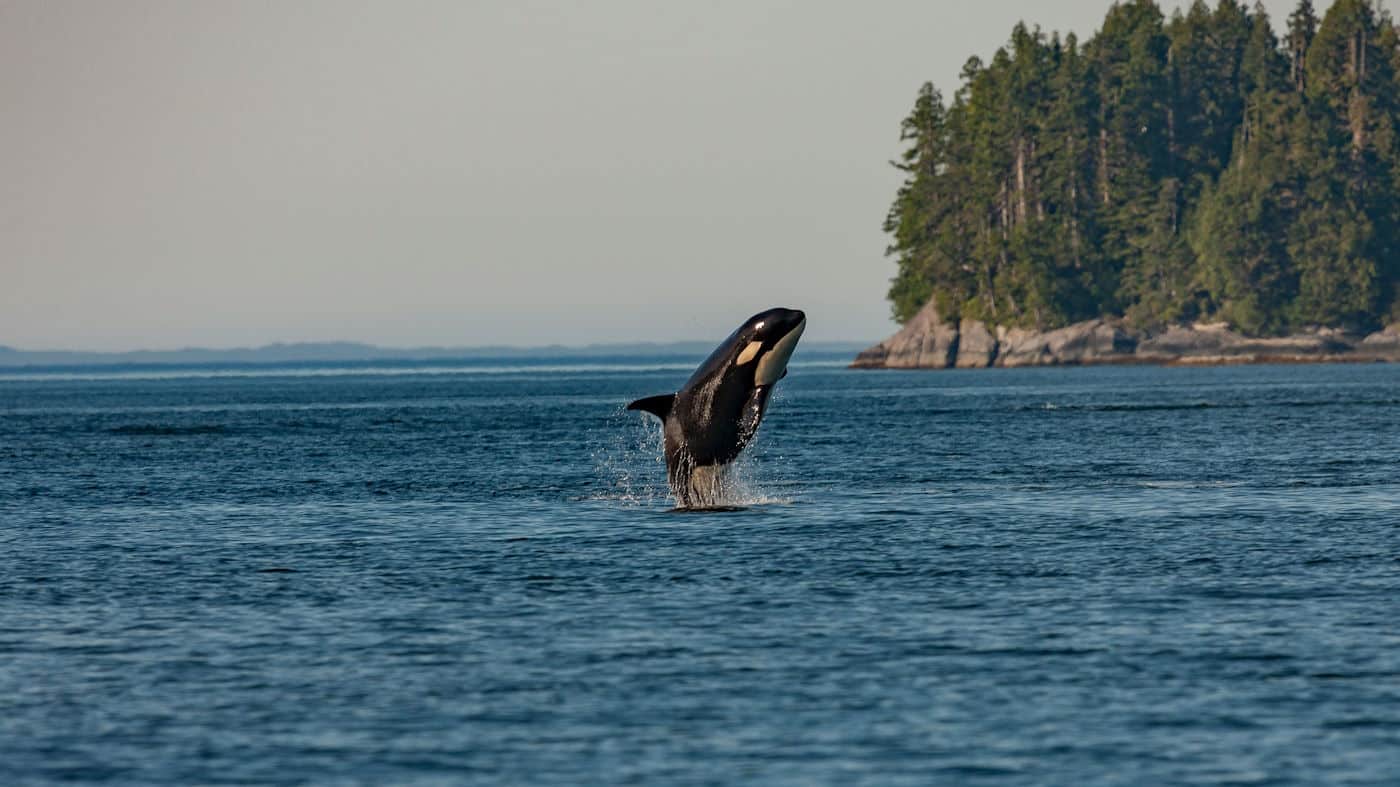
(351,353)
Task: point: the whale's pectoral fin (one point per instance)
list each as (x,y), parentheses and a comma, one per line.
(753,413)
(659,406)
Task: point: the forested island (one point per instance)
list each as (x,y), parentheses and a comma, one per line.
(1198,170)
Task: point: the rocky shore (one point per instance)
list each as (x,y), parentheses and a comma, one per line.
(928,342)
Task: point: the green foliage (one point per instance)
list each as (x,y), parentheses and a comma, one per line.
(1166,170)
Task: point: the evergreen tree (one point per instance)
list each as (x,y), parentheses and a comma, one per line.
(1244,273)
(1067,141)
(1302,26)
(914,219)
(1162,172)
(1129,70)
(1342,236)
(1206,55)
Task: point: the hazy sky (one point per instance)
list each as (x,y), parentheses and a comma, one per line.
(232,173)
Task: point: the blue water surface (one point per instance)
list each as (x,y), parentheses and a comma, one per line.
(472,574)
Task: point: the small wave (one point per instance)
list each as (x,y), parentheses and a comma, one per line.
(651,498)
(1168,484)
(752,500)
(1133,407)
(163,430)
(625,497)
(1362,723)
(1115,407)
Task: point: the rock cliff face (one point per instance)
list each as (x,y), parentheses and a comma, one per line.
(924,342)
(928,342)
(1093,341)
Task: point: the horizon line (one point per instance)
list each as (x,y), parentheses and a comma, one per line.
(348,344)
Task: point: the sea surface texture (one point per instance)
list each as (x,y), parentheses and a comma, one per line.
(472,573)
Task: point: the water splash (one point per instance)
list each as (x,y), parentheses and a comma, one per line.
(631,469)
(741,485)
(630,464)
(743,482)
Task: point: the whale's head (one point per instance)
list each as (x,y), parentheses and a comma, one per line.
(767,340)
(755,355)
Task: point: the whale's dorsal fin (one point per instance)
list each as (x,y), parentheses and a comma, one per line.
(659,406)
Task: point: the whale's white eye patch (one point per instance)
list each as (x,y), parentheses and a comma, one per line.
(749,353)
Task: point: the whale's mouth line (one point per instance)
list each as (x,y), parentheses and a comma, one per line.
(774,362)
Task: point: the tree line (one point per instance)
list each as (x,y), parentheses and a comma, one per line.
(1166,170)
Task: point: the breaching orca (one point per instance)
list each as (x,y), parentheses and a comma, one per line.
(715,414)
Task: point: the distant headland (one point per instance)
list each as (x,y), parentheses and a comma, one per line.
(1192,188)
(357,353)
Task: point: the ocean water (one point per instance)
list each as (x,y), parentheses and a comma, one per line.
(472,574)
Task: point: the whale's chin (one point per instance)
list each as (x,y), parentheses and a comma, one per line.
(773,365)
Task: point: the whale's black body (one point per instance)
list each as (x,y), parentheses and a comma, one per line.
(715,414)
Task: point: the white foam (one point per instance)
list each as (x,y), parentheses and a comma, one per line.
(631,465)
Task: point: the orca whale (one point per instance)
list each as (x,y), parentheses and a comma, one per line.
(716,413)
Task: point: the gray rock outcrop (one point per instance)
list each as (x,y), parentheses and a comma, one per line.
(925,342)
(1092,341)
(1382,345)
(977,346)
(1217,343)
(929,342)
